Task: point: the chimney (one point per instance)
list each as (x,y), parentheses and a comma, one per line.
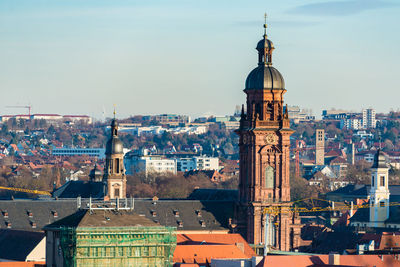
(334,259)
(180,223)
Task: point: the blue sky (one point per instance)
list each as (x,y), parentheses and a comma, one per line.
(192,57)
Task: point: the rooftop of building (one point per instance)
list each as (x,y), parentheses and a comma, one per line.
(103,218)
(216,239)
(323,260)
(16,245)
(187,215)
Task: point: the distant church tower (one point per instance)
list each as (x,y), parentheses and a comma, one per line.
(264,146)
(379,193)
(114,172)
(320,147)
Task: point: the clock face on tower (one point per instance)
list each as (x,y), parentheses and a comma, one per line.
(270,138)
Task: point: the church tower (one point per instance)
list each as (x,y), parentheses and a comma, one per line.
(264,147)
(114,172)
(379,193)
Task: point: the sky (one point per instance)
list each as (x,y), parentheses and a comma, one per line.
(193,56)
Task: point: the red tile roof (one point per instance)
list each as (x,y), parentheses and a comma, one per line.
(323,260)
(202,254)
(215,239)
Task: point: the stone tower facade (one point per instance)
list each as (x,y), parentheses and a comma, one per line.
(379,193)
(320,147)
(114,172)
(264,146)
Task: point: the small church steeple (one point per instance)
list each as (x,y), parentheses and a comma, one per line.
(265,47)
(114,172)
(379,193)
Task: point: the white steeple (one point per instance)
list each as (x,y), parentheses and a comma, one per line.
(379,193)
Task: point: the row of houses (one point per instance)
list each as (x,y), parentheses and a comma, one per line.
(49,117)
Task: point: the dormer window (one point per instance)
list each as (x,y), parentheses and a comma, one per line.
(33,224)
(180,223)
(153,213)
(30,214)
(5,214)
(55,214)
(176,213)
(202,223)
(8,224)
(198,212)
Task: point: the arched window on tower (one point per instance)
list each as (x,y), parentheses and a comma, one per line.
(372,181)
(382,181)
(269,177)
(117,167)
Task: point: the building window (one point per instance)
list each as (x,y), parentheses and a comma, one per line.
(372,181)
(117,165)
(382,180)
(116,192)
(269,177)
(382,204)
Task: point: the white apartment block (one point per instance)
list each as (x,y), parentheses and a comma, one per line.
(149,164)
(353,124)
(197,163)
(369,118)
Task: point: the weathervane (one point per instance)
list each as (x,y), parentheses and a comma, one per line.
(265,23)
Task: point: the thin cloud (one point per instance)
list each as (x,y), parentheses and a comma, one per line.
(340,8)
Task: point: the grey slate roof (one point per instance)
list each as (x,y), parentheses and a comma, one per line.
(103,218)
(362,191)
(214,215)
(42,212)
(16,245)
(362,215)
(215,194)
(85,189)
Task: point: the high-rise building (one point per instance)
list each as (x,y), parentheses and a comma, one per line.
(320,147)
(369,118)
(264,155)
(114,172)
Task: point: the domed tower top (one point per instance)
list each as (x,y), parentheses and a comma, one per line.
(379,160)
(265,47)
(95,174)
(265,76)
(114,144)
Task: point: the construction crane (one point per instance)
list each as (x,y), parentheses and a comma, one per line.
(290,208)
(38,192)
(27,107)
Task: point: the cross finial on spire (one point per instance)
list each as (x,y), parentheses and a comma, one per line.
(114,111)
(265,24)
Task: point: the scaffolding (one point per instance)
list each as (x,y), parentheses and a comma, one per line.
(118,246)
